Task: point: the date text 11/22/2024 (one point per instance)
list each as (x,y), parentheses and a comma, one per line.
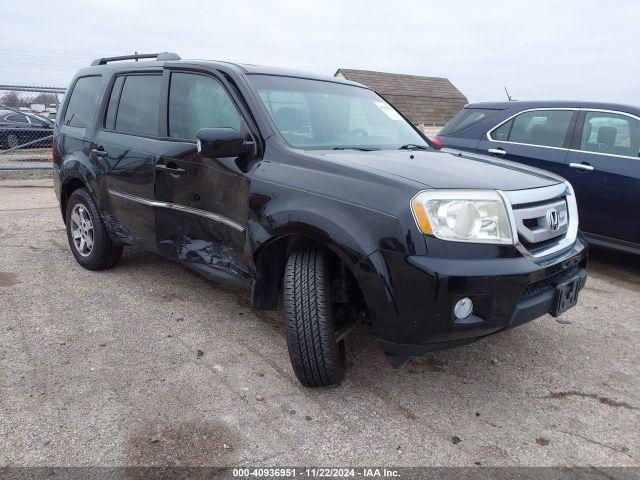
(315,472)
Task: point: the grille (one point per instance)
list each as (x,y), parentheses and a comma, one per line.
(548,282)
(545,219)
(532,223)
(533,246)
(518,206)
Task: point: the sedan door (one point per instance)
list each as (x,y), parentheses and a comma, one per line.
(539,138)
(605,173)
(208,198)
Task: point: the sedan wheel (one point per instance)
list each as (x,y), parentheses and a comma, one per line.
(13,141)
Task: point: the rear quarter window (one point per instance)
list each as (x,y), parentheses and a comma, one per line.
(466,118)
(83,102)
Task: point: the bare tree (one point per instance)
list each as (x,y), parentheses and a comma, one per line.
(46,99)
(11,99)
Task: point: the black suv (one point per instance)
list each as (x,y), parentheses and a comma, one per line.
(314,190)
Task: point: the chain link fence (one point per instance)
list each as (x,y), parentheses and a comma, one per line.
(26,126)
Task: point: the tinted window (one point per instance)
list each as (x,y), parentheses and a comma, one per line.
(112,109)
(196,102)
(610,133)
(466,118)
(83,102)
(541,127)
(139,105)
(17,117)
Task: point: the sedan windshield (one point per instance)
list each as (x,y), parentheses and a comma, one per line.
(314,114)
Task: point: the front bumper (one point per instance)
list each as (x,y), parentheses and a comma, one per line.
(506,292)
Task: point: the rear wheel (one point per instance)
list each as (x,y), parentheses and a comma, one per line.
(318,359)
(90,243)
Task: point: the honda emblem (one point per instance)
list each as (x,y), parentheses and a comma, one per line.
(553,219)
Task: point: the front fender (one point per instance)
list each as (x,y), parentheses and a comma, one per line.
(351,231)
(356,234)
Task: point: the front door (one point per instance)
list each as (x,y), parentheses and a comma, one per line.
(207,199)
(605,173)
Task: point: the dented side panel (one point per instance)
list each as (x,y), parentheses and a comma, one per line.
(208,227)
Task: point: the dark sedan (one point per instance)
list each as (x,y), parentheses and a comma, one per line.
(595,146)
(20,129)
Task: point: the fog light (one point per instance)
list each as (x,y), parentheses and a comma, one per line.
(463,308)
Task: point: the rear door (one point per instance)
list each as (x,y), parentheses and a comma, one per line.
(208,197)
(126,148)
(539,138)
(605,173)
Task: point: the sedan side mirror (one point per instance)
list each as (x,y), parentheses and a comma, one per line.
(220,142)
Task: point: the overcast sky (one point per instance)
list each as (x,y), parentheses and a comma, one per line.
(586,49)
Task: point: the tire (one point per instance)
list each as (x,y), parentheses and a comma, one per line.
(90,243)
(13,141)
(317,360)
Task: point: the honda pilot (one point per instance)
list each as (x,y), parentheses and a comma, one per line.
(315,193)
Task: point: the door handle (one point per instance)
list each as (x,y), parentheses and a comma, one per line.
(99,151)
(497,151)
(582,166)
(171,168)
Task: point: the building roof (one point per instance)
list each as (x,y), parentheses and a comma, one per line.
(423,100)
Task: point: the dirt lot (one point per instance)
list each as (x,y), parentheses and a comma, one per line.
(148,363)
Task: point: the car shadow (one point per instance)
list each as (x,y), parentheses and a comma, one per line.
(614,266)
(492,362)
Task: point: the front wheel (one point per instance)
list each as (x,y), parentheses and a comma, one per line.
(318,359)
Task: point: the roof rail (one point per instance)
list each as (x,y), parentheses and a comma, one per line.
(162,56)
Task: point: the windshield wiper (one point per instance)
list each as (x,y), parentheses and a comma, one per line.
(413,146)
(362,149)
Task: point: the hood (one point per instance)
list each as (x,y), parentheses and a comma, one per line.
(440,169)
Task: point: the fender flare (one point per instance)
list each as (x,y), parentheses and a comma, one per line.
(341,232)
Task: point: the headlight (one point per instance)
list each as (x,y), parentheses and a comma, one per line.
(476,216)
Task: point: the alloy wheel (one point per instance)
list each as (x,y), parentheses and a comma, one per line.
(82,230)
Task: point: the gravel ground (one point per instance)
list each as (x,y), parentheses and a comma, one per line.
(150,364)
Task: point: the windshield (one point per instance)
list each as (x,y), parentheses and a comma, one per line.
(313,114)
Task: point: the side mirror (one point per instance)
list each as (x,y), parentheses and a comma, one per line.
(220,142)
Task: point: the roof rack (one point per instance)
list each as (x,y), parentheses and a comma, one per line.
(162,56)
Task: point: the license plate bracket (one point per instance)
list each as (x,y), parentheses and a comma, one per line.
(566,296)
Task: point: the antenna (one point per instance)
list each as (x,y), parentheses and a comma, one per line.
(508,96)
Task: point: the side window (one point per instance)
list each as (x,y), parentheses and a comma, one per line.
(197,101)
(17,118)
(139,105)
(501,133)
(112,108)
(543,127)
(36,122)
(83,102)
(610,133)
(466,118)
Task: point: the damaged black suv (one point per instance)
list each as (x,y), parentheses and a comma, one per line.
(315,190)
